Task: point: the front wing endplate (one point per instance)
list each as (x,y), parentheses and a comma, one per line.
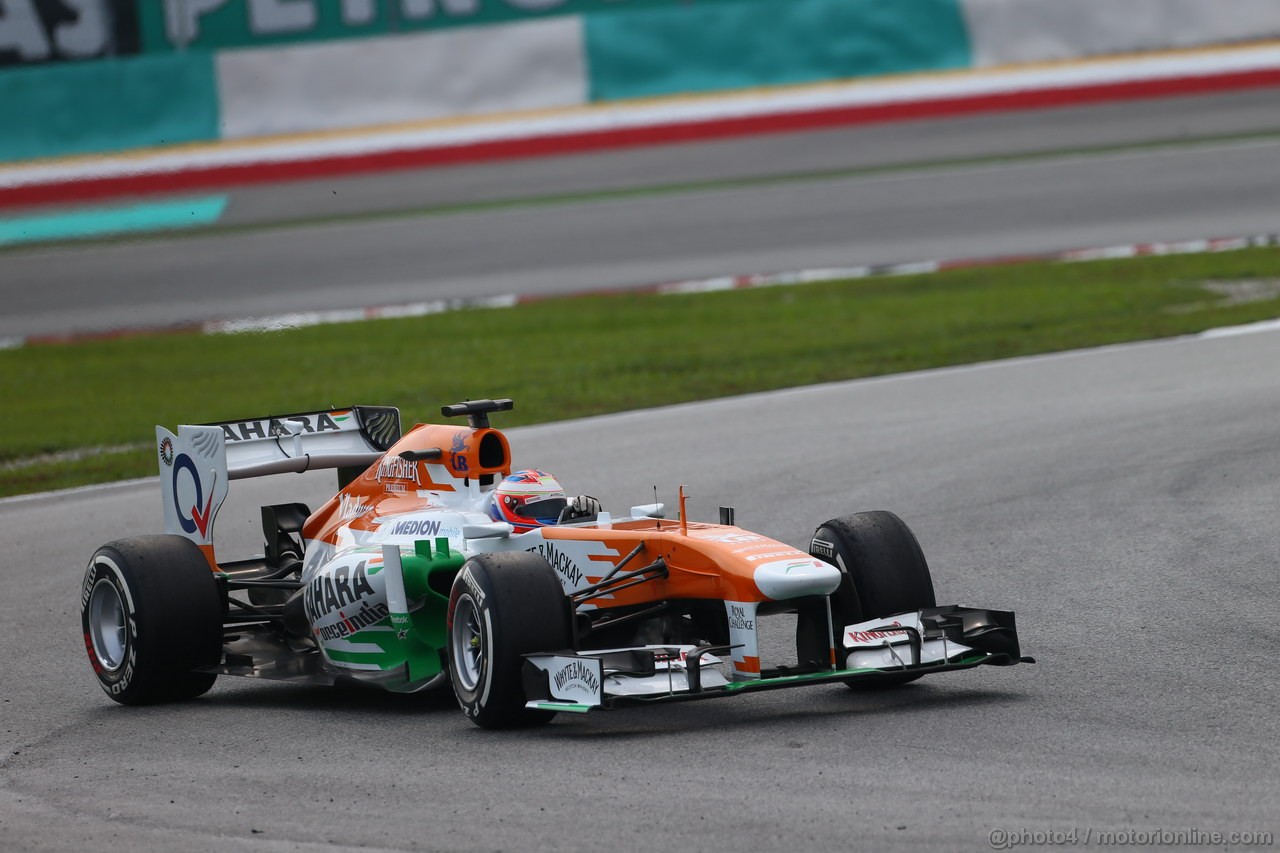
(923,642)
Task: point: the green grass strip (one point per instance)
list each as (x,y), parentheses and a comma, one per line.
(570,358)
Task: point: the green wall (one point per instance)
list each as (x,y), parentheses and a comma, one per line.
(107,105)
(709,47)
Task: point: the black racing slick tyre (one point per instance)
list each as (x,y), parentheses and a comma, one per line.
(151,614)
(502,607)
(884,572)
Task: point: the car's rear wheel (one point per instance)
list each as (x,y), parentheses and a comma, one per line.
(151,615)
(883,572)
(502,607)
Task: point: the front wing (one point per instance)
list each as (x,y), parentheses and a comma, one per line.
(936,639)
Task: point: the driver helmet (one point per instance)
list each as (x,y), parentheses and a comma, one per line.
(528,499)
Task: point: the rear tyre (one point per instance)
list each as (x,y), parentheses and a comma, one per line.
(884,572)
(502,607)
(151,614)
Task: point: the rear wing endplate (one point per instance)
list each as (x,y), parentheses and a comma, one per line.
(198,461)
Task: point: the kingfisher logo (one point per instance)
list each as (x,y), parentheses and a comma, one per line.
(199,514)
(395,468)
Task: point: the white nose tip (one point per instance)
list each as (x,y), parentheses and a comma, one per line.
(793,578)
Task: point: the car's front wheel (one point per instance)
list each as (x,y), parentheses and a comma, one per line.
(883,572)
(502,607)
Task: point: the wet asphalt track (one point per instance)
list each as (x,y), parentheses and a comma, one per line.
(1122,501)
(917,211)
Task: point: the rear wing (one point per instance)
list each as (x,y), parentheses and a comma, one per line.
(197,462)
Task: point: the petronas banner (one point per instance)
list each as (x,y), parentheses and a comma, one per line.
(211,24)
(39,31)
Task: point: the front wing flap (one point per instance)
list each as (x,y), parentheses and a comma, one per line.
(936,639)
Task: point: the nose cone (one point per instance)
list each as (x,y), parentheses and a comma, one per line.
(796,577)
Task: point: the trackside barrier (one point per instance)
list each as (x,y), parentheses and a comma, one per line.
(112,75)
(1008,32)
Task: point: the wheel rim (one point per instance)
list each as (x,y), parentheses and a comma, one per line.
(468,643)
(107,624)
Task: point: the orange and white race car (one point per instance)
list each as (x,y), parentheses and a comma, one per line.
(436,562)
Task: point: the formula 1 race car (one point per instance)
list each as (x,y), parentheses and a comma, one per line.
(415,574)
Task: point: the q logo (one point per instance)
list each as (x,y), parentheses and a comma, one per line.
(197,518)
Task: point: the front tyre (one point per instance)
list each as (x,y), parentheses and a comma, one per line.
(151,614)
(883,570)
(502,607)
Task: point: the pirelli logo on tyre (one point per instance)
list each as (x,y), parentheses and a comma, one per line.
(472,586)
(822,548)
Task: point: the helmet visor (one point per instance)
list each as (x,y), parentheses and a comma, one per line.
(542,510)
